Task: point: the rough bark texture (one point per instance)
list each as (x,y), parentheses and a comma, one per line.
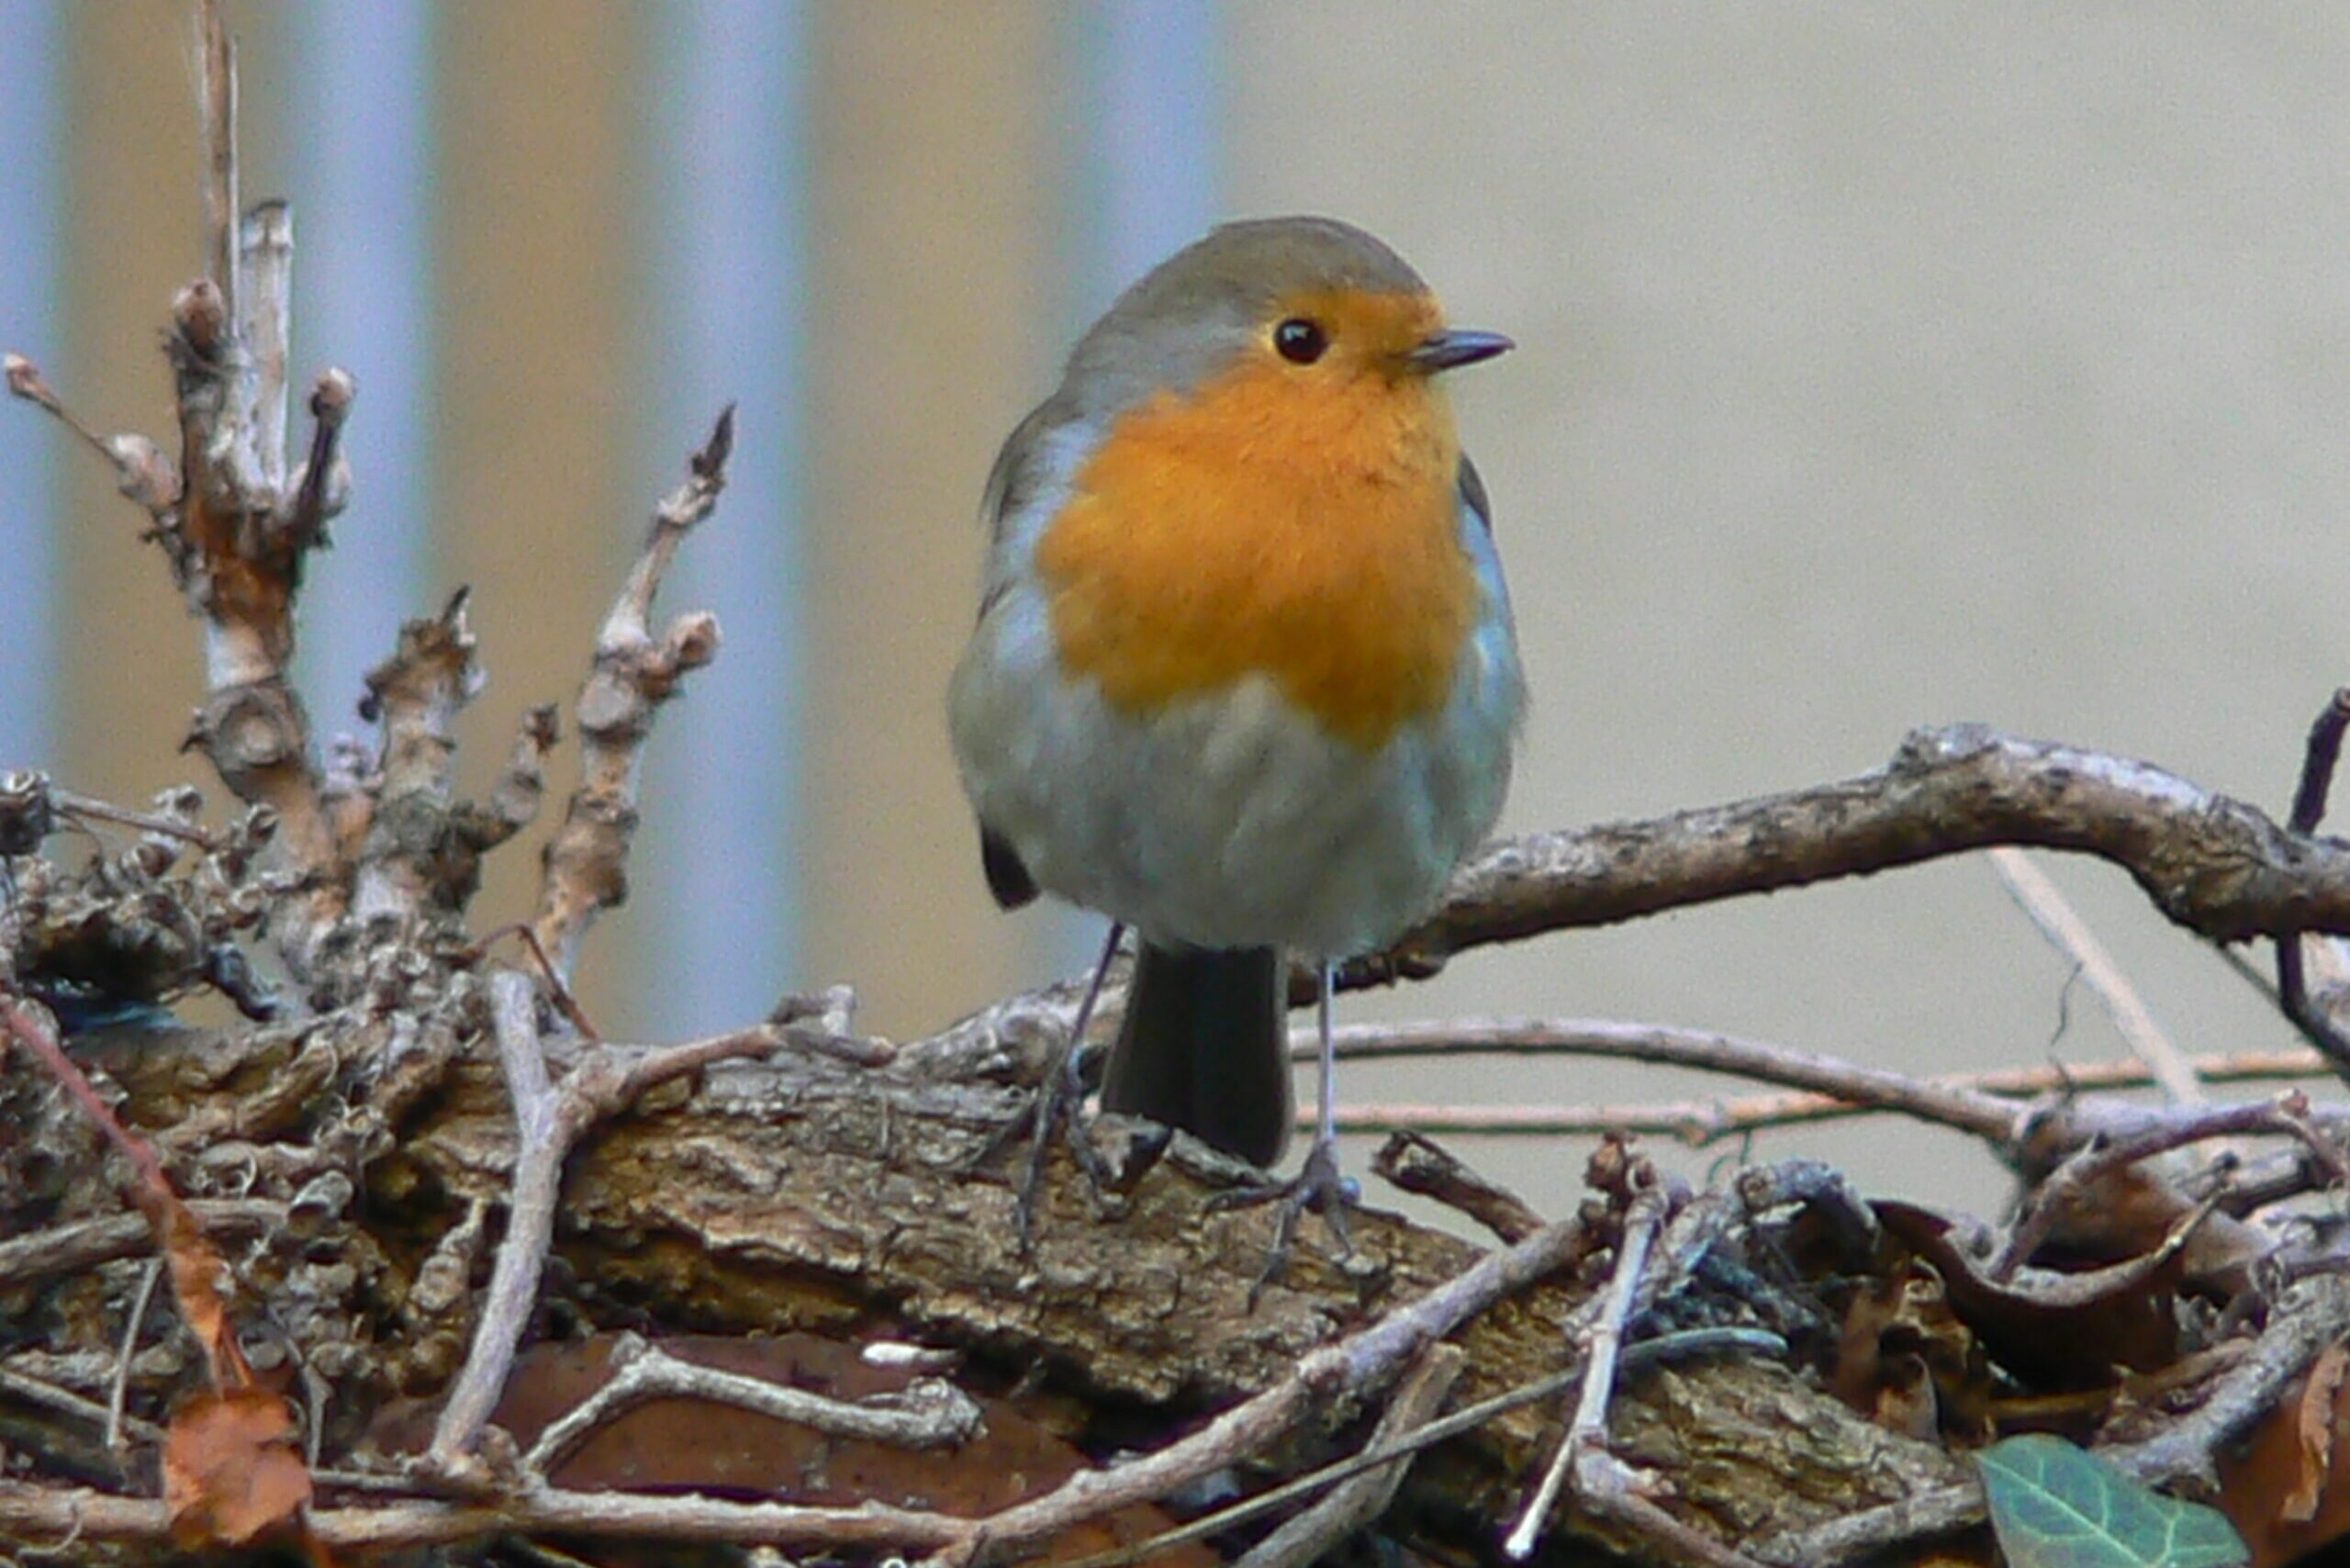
(811,1192)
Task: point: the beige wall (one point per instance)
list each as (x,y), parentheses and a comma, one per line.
(1878,366)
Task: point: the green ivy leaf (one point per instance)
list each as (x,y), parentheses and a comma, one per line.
(2055,1505)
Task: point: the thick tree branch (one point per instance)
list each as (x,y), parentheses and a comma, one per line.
(2215,864)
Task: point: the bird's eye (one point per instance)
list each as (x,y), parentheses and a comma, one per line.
(1301,341)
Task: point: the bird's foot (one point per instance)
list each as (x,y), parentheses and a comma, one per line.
(1060,1110)
(1317,1188)
(1056,1113)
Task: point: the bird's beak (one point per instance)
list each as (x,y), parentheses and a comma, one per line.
(1454,347)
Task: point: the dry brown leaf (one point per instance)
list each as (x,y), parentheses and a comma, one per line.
(2313,1419)
(2260,1478)
(2048,1346)
(196,1272)
(230,1472)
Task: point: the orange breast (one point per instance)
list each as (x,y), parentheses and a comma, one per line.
(1309,534)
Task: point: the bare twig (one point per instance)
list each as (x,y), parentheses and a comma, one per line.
(1585,1440)
(2287,1115)
(416,856)
(1701,1123)
(85,1244)
(2316,1315)
(216,104)
(118,1386)
(38,1392)
(1623,1500)
(521,783)
(559,995)
(1665,1348)
(634,674)
(930,1413)
(2319,756)
(103,1517)
(2071,1289)
(262,300)
(1412,1164)
(539,1149)
(1864,1533)
(549,1120)
(70,804)
(1358,1364)
(1950,1104)
(1353,1503)
(2062,924)
(322,485)
(141,472)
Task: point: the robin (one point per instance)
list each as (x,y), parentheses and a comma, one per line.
(1244,677)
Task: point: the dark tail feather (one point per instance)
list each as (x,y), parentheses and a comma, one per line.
(1205,1047)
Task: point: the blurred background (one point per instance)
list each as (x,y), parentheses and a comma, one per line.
(1879,366)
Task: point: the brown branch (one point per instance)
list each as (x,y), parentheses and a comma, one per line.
(2287,1115)
(1353,1503)
(1356,1366)
(2319,756)
(929,1413)
(70,804)
(1862,1534)
(1948,1104)
(141,472)
(2071,936)
(263,302)
(2214,865)
(416,856)
(66,1402)
(2189,1448)
(1582,1448)
(549,1119)
(82,1244)
(810,1175)
(1412,1164)
(587,863)
(1700,1121)
(321,485)
(1686,1345)
(93,1516)
(217,107)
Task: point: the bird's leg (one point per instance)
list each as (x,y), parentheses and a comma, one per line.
(1319,1187)
(1057,1099)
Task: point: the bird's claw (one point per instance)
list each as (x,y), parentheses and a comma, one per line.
(1318,1188)
(1057,1109)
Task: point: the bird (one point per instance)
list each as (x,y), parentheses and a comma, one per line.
(1245,677)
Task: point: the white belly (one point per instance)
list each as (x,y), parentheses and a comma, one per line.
(1230,820)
